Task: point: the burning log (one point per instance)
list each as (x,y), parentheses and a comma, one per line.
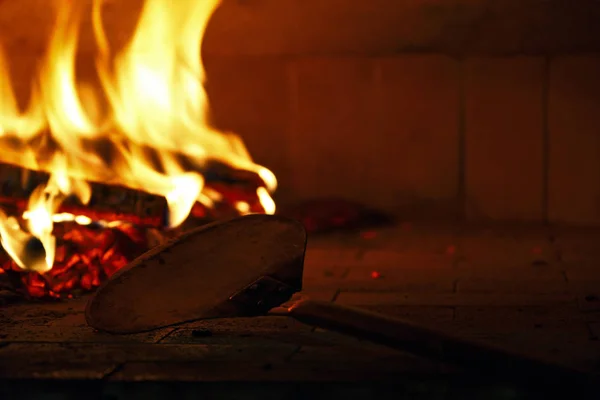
(211,169)
(87,255)
(107,202)
(110,202)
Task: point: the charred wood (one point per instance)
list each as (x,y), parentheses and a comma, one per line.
(112,202)
(107,202)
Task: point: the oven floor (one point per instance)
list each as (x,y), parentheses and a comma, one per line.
(531,289)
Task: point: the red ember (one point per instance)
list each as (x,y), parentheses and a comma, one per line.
(84,258)
(87,255)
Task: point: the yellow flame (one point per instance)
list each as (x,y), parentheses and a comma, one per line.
(154,135)
(42,206)
(22,246)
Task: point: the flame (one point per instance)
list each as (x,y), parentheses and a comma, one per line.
(21,246)
(153,134)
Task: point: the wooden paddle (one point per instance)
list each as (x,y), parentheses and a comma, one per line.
(252,266)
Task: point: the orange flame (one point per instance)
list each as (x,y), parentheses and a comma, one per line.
(156,114)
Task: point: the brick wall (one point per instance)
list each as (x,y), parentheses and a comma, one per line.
(476,109)
(509,138)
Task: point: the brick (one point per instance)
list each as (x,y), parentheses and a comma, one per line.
(387,270)
(505,229)
(412,90)
(30,311)
(263,369)
(413,238)
(15,16)
(451,299)
(511,278)
(577,246)
(547,330)
(384,26)
(574,142)
(428,315)
(264,326)
(492,249)
(323,285)
(556,333)
(362,359)
(390,280)
(245,337)
(319,292)
(583,279)
(17,369)
(22,69)
(250,96)
(60,322)
(588,296)
(563,318)
(589,301)
(247,91)
(325,267)
(550,285)
(332,256)
(332,126)
(304,27)
(594,330)
(405,260)
(334,239)
(567,345)
(582,270)
(311,364)
(377,26)
(104,353)
(504,138)
(74,334)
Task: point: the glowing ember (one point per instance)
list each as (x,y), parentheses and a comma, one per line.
(84,258)
(375,275)
(153,137)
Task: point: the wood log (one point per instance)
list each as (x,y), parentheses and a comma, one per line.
(107,202)
(112,202)
(212,169)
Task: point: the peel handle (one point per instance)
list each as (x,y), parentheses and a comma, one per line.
(433,344)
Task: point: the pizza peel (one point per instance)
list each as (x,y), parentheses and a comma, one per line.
(251,266)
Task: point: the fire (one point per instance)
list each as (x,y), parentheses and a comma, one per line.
(145,127)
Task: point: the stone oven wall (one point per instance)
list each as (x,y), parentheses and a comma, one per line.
(445,108)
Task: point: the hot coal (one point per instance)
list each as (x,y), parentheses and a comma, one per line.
(106,202)
(109,202)
(84,258)
(88,255)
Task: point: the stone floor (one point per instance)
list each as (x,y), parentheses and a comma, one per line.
(531,289)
